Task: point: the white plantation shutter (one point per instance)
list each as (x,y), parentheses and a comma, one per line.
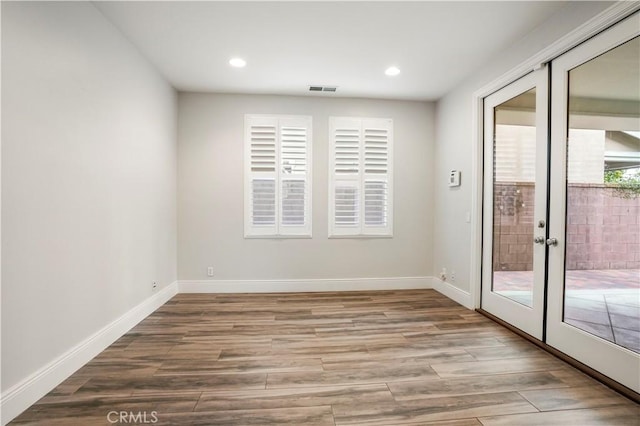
(263,202)
(347,209)
(277,176)
(376,147)
(360,196)
(344,174)
(261,136)
(293,202)
(377,159)
(295,172)
(375,203)
(347,149)
(263,147)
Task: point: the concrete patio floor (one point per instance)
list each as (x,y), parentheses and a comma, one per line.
(605,303)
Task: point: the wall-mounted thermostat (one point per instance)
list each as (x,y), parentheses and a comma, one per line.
(454,178)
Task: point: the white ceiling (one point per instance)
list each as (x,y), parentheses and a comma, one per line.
(291,45)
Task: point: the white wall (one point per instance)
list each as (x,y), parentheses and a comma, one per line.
(88,180)
(452,234)
(210,197)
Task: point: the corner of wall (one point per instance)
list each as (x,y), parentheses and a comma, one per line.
(452,292)
(22,395)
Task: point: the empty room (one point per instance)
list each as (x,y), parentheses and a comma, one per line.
(320,213)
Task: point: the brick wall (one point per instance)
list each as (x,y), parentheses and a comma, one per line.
(603,229)
(513,226)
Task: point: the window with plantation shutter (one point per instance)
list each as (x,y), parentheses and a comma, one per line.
(360,177)
(277,176)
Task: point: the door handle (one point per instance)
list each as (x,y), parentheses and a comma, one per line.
(538,240)
(552,242)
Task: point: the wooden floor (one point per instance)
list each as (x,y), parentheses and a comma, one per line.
(374,358)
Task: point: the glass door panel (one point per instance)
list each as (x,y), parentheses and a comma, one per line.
(514,173)
(515,184)
(602,269)
(594,263)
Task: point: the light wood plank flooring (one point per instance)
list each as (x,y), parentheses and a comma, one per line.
(372,358)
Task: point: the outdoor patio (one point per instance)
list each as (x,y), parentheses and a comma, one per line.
(605,303)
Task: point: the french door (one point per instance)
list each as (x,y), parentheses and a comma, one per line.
(515,202)
(562,225)
(594,270)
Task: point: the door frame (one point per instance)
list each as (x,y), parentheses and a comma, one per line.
(610,16)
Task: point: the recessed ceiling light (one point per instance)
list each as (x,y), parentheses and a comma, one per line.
(237,62)
(392,71)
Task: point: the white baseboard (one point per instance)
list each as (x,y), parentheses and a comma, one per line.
(452,292)
(308,285)
(24,394)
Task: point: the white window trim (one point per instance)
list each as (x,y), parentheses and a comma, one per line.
(278,231)
(361,230)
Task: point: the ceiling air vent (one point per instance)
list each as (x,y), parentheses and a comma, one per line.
(322,88)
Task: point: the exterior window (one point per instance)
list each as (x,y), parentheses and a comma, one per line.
(360,177)
(277,176)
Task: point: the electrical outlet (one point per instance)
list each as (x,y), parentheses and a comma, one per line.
(154,286)
(443,274)
(452,275)
(210,271)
